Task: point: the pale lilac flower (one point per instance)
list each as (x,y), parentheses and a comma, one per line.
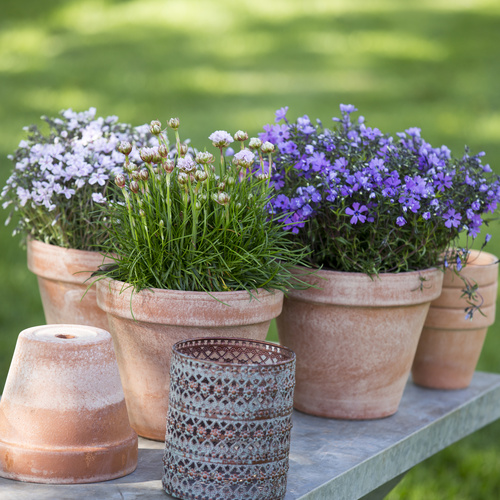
(98,198)
(245,158)
(221,138)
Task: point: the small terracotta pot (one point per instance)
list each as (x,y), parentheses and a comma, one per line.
(450,345)
(63,417)
(61,274)
(355,338)
(147,324)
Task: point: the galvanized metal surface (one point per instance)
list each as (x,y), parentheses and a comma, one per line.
(328,458)
(229,420)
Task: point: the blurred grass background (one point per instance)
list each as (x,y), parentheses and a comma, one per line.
(220,64)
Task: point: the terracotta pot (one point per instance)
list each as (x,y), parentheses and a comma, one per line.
(147,324)
(355,339)
(63,417)
(450,345)
(61,274)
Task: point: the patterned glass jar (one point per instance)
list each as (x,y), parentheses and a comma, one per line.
(229,420)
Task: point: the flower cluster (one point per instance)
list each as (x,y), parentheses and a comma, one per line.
(365,201)
(60,178)
(179,223)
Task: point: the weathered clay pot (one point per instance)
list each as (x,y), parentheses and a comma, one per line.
(61,274)
(63,417)
(147,324)
(450,344)
(355,338)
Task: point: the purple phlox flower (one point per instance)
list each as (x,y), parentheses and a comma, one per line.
(459,263)
(296,203)
(318,162)
(445,152)
(443,181)
(413,131)
(308,130)
(370,133)
(347,108)
(290,148)
(277,134)
(281,114)
(282,202)
(357,213)
(409,203)
(98,198)
(483,188)
(487,238)
(309,149)
(303,121)
(221,138)
(353,136)
(452,218)
(229,152)
(306,210)
(340,164)
(377,164)
(400,221)
(426,215)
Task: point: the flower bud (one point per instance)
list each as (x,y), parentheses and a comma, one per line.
(146,154)
(182,178)
(223,198)
(203,197)
(197,205)
(142,213)
(267,147)
(163,150)
(125,147)
(230,181)
(120,180)
(134,186)
(174,123)
(255,143)
(201,175)
(155,127)
(221,186)
(135,175)
(204,157)
(262,177)
(131,167)
(240,136)
(183,149)
(168,166)
(144,174)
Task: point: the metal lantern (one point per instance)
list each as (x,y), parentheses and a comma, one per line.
(229,419)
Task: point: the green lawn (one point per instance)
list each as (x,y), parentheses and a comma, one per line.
(219,64)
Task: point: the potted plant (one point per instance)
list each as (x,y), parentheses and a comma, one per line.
(377,214)
(195,255)
(60,177)
(456,325)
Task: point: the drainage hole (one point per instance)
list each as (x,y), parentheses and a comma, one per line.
(65,336)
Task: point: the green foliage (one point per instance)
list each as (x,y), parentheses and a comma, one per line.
(180,226)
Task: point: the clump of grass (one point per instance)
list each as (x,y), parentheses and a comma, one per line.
(179,224)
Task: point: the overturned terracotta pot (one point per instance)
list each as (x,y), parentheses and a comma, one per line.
(146,325)
(61,274)
(355,338)
(450,344)
(63,417)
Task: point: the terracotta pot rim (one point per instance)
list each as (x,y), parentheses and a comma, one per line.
(67,265)
(183,308)
(289,352)
(183,294)
(360,290)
